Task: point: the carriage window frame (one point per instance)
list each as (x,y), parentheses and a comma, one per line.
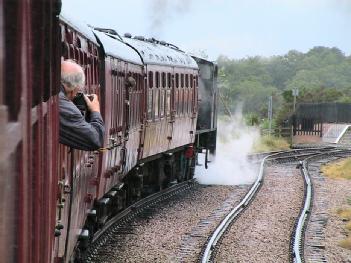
(151,79)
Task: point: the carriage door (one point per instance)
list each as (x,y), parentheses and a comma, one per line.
(127,108)
(171,105)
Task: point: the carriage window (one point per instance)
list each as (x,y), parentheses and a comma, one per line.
(162,102)
(149,104)
(168,102)
(177,80)
(157,79)
(163,83)
(142,81)
(169,80)
(187,80)
(135,77)
(182,80)
(156,103)
(191,81)
(151,79)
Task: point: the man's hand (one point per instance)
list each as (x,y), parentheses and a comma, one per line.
(93,105)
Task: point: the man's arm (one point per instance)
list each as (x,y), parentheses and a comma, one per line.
(76,132)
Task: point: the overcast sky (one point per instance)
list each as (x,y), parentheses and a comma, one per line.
(233,28)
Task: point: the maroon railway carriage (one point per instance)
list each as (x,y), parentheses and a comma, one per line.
(123,115)
(148,94)
(170,114)
(53,197)
(79,170)
(29,82)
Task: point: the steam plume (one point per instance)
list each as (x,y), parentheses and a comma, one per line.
(230,167)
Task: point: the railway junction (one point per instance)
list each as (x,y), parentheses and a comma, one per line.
(287,215)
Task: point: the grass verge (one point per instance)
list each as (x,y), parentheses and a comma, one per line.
(270,143)
(345,215)
(338,170)
(341,170)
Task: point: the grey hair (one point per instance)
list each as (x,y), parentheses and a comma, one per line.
(73,80)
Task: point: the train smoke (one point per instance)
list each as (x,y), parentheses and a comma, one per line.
(230,166)
(163,11)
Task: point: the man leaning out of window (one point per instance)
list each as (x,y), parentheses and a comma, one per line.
(76,130)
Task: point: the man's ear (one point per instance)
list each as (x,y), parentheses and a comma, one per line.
(70,94)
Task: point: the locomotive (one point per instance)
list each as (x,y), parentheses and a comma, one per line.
(159,105)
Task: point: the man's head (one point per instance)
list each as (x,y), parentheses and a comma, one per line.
(72,78)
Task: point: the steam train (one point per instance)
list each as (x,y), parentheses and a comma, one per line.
(53,197)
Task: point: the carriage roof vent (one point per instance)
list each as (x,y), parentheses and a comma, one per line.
(107,30)
(128,35)
(139,38)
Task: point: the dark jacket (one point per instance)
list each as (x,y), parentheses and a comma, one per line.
(75,131)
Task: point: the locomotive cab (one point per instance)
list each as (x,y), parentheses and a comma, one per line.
(206,126)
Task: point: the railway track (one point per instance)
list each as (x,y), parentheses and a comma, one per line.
(214,241)
(316,234)
(219,221)
(119,223)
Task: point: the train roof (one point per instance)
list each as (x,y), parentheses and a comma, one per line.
(79,26)
(202,60)
(118,49)
(160,53)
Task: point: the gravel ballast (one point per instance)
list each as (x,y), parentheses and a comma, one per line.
(163,236)
(325,228)
(262,233)
(337,193)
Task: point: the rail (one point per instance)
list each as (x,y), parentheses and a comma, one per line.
(220,230)
(298,235)
(226,222)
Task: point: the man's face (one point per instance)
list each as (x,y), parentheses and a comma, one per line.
(71,94)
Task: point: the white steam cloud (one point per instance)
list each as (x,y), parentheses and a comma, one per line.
(230,166)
